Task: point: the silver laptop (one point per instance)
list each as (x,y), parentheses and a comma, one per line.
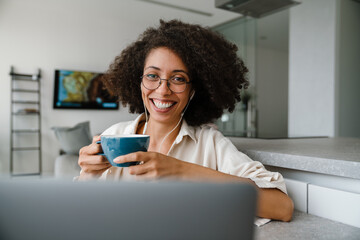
(52,210)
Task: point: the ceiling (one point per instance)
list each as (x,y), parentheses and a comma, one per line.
(272,30)
(196,11)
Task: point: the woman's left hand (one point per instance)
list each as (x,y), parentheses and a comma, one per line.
(155,165)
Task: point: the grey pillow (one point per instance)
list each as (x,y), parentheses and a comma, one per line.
(73,138)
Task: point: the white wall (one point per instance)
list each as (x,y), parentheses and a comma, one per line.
(312,68)
(58,34)
(71,34)
(307,73)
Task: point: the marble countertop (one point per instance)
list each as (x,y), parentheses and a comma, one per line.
(306,226)
(333,156)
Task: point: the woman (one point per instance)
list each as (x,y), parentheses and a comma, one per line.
(182,76)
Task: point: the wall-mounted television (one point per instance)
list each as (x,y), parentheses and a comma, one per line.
(82,90)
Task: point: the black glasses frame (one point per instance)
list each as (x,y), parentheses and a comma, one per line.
(167,84)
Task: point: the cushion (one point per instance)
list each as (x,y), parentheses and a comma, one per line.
(73,138)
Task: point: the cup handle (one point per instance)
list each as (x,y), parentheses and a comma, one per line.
(103,154)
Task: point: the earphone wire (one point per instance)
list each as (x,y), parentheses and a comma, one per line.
(182,115)
(169,133)
(146,119)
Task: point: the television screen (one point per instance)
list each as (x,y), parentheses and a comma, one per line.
(82,90)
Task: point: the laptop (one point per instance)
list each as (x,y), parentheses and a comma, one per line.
(49,209)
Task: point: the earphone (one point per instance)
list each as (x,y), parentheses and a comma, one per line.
(182,115)
(192,95)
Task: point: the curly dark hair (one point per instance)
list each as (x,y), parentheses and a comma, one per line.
(216,72)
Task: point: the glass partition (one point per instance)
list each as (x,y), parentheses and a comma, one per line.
(242,121)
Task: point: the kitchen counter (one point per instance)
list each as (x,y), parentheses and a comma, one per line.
(332,156)
(306,226)
(322,175)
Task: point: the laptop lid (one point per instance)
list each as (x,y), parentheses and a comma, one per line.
(54,210)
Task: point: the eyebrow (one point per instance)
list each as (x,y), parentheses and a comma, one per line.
(153,67)
(174,71)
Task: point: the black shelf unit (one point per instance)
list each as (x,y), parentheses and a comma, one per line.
(34,90)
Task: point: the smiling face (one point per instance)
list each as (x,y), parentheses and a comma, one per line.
(164,105)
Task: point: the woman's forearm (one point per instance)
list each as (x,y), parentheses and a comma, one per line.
(272,203)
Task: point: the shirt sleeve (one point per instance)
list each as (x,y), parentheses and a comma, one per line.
(234,162)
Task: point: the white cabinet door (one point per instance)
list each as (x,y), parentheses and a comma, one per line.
(334,204)
(297,191)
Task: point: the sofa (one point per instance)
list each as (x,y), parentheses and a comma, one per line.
(66,166)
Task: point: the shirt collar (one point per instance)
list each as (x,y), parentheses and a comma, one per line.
(132,127)
(185,130)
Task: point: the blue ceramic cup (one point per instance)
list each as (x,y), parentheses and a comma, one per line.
(117,145)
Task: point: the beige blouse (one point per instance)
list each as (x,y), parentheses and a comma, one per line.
(204,146)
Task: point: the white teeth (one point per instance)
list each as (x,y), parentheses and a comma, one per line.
(162,105)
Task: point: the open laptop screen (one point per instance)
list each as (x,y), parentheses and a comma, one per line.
(54,210)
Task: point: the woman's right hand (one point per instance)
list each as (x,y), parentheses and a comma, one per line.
(92,165)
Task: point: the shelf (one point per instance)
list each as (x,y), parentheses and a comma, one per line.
(26,131)
(25,149)
(22,75)
(25,94)
(25,102)
(25,79)
(25,174)
(26,113)
(25,90)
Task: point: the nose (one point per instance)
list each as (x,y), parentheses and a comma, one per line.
(164,88)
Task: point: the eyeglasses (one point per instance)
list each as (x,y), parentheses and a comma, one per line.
(175,84)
